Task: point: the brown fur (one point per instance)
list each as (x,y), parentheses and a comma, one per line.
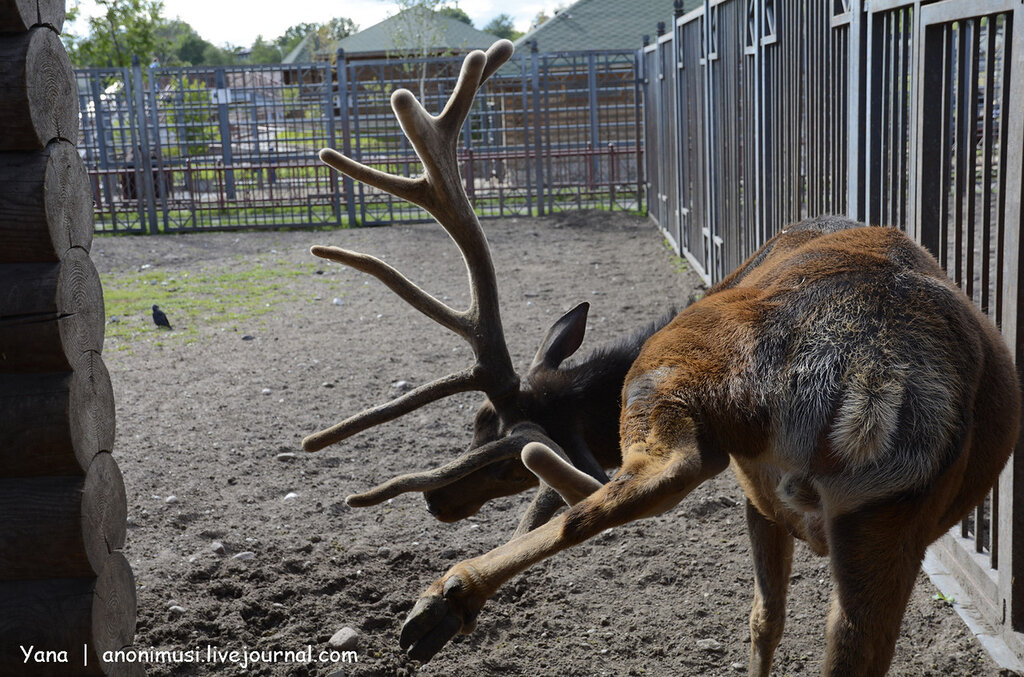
(862,401)
(576,404)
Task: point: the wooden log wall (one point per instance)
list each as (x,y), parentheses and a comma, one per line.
(64,584)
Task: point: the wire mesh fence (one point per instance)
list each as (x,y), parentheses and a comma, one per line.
(184,149)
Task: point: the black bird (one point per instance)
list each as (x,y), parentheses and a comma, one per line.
(159,318)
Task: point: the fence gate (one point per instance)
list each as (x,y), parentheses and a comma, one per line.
(179,149)
(897,112)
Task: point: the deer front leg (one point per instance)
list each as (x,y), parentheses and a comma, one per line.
(653,479)
(771,547)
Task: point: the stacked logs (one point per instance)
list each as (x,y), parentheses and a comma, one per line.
(67,594)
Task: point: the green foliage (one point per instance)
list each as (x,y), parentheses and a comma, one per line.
(337,28)
(192,118)
(191,49)
(123,29)
(455,13)
(323,36)
(188,48)
(503,27)
(291,38)
(541,17)
(128,27)
(218,56)
(264,52)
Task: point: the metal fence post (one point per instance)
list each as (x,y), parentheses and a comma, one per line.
(144,181)
(346,134)
(640,91)
(855,117)
(329,100)
(101,139)
(158,175)
(595,141)
(710,216)
(225,131)
(537,149)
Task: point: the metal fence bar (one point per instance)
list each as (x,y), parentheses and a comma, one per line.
(346,133)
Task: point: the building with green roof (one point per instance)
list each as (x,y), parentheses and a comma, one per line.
(603,24)
(413,32)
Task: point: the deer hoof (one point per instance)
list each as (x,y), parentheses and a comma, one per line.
(434,620)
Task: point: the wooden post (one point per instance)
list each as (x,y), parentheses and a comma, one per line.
(47,204)
(37,87)
(65,587)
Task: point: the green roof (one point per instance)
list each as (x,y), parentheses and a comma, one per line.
(302,53)
(603,24)
(433,33)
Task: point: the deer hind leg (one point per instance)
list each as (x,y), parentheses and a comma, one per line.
(652,480)
(876,554)
(772,551)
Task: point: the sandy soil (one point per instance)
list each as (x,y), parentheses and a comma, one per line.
(205,420)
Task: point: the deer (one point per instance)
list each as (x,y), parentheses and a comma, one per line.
(862,401)
(572,407)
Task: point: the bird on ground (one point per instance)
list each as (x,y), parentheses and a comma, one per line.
(160,318)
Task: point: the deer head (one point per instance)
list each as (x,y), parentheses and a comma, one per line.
(518,410)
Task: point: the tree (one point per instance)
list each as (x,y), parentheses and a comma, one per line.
(338,28)
(264,52)
(539,19)
(123,29)
(181,45)
(191,49)
(219,56)
(503,27)
(325,35)
(293,35)
(191,118)
(417,31)
(455,13)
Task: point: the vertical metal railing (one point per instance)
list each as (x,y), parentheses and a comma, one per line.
(968,185)
(907,113)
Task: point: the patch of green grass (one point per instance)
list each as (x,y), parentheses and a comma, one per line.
(679,263)
(209,296)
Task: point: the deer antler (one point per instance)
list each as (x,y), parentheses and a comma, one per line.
(440,192)
(506,447)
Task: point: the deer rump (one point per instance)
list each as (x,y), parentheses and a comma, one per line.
(838,367)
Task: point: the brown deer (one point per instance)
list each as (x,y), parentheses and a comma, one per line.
(574,407)
(863,402)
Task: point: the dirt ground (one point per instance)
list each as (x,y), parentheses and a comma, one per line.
(205,420)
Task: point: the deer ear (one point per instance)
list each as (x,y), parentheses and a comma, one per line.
(563,339)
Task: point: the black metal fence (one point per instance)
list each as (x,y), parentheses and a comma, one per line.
(896,112)
(178,149)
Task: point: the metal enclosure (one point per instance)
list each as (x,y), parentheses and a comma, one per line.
(180,149)
(895,112)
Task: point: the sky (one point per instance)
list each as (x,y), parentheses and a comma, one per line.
(238,22)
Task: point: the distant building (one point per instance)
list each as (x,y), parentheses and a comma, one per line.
(602,24)
(414,32)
